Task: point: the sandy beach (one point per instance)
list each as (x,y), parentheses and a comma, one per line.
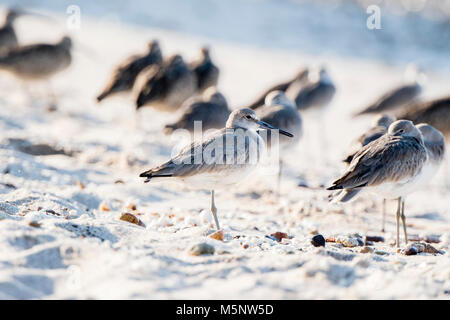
(61,236)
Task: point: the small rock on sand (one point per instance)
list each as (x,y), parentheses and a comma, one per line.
(218,235)
(415,248)
(279,236)
(318,241)
(366,250)
(201,249)
(350,242)
(132,219)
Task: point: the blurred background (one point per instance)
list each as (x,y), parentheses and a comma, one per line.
(411,30)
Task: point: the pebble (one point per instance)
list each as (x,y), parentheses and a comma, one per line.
(131,219)
(201,249)
(366,250)
(350,242)
(279,236)
(415,248)
(374,238)
(380,253)
(104,207)
(218,235)
(318,241)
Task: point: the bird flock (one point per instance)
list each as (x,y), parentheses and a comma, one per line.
(399,153)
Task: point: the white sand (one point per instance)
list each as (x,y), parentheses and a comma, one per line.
(82,252)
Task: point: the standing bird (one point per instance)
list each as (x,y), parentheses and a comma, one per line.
(399,96)
(380,127)
(390,166)
(316,92)
(206,71)
(301,76)
(211,109)
(434,143)
(38,61)
(434,112)
(165,88)
(281,112)
(125,74)
(220,160)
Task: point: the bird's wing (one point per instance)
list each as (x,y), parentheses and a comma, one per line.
(387,159)
(226,147)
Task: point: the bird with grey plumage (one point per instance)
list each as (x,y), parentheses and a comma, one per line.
(281,112)
(390,166)
(206,71)
(301,76)
(38,62)
(123,77)
(221,159)
(379,128)
(435,112)
(399,96)
(316,92)
(165,88)
(211,110)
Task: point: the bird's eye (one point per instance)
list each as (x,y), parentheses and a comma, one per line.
(401,131)
(248,117)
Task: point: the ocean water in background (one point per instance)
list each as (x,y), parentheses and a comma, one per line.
(319,28)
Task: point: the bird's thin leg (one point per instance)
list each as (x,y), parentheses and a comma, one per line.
(404,221)
(52,95)
(384,215)
(214,210)
(397,220)
(280,164)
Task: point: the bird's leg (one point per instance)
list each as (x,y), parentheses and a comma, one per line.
(52,95)
(384,215)
(404,221)
(280,164)
(397,220)
(214,210)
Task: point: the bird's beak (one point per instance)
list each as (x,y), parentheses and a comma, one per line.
(265,125)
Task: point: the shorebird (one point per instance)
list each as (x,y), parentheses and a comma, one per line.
(398,96)
(379,128)
(38,61)
(434,142)
(316,92)
(125,74)
(206,71)
(281,112)
(220,160)
(301,76)
(390,166)
(434,112)
(211,109)
(165,88)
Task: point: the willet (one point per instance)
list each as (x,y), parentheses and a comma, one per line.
(379,128)
(316,92)
(211,110)
(220,160)
(165,88)
(398,96)
(434,143)
(301,76)
(38,62)
(434,112)
(281,112)
(125,74)
(390,166)
(206,71)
